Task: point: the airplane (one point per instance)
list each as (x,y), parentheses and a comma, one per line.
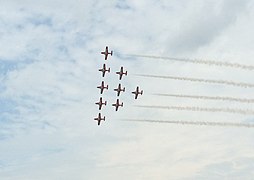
(121,73)
(99,119)
(137,92)
(100,103)
(104,70)
(117,104)
(102,87)
(106,53)
(119,89)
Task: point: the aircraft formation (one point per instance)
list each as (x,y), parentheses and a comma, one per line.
(103,86)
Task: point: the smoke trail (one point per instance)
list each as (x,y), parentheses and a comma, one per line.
(199,123)
(219,98)
(201,109)
(212,81)
(199,61)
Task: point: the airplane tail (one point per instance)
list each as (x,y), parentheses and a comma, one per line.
(122,104)
(105,102)
(107,87)
(108,69)
(111,53)
(104,118)
(126,73)
(124,89)
(141,92)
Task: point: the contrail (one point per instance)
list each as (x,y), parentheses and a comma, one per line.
(219,98)
(199,61)
(202,109)
(199,123)
(211,81)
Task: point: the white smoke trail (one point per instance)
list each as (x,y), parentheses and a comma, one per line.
(202,109)
(200,61)
(218,98)
(211,81)
(199,123)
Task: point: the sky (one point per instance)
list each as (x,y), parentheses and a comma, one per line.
(49,61)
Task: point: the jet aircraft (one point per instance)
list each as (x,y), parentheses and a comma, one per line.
(137,92)
(106,53)
(121,73)
(104,70)
(119,89)
(100,103)
(99,119)
(102,87)
(117,104)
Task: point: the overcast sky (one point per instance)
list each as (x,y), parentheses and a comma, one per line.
(49,61)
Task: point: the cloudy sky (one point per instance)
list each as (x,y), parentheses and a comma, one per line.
(49,61)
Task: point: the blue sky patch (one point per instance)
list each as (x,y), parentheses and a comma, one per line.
(40,20)
(122,4)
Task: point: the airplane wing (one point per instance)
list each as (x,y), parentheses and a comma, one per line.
(118,93)
(100,105)
(99,121)
(117,107)
(106,56)
(101,90)
(120,76)
(136,95)
(103,73)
